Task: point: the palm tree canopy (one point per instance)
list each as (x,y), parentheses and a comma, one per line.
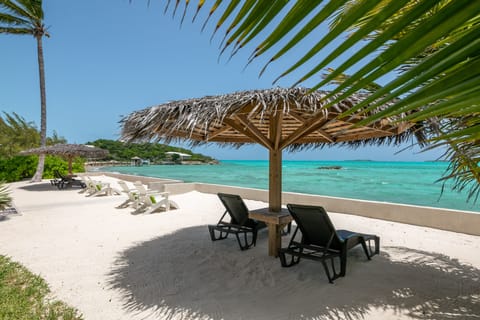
(22,17)
(451,27)
(431,47)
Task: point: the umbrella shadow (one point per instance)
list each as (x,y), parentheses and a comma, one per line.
(41,186)
(47,186)
(185,273)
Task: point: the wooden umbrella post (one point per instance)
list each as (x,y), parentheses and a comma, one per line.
(275,180)
(275,163)
(70,167)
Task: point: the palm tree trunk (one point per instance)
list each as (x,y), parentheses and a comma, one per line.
(43,113)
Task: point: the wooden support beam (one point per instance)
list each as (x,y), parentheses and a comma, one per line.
(276,122)
(317,127)
(250,127)
(215,133)
(308,127)
(246,130)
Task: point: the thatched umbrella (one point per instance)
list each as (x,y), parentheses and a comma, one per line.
(277,119)
(69,151)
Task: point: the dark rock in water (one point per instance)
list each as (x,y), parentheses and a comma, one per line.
(330,168)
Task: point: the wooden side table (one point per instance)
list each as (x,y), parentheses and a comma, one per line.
(275,221)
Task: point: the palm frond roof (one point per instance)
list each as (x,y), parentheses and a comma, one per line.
(68,150)
(278,118)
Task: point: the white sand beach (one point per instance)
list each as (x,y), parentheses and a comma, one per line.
(111,264)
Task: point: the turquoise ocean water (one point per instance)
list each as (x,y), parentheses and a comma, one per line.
(399,182)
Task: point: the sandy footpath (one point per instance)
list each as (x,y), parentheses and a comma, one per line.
(111,264)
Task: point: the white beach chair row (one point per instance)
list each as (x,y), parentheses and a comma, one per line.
(98,188)
(144,200)
(141,199)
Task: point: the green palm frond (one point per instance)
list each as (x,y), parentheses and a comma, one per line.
(431,47)
(463,152)
(5,199)
(22,17)
(11,20)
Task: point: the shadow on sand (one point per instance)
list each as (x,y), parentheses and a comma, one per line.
(46,186)
(185,274)
(39,186)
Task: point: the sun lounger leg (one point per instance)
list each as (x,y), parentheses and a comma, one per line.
(283,259)
(173,204)
(222,235)
(367,246)
(124,204)
(159,205)
(343,263)
(116,191)
(246,244)
(334,274)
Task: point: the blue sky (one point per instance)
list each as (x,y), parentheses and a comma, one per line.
(106,59)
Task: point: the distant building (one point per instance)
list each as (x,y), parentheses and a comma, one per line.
(137,161)
(181,156)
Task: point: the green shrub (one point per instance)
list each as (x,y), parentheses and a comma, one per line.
(17,168)
(23,167)
(53,163)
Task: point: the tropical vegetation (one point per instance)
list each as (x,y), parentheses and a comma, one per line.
(23,167)
(25,17)
(17,134)
(426,53)
(155,152)
(25,296)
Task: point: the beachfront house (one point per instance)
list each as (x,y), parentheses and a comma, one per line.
(136,161)
(177,157)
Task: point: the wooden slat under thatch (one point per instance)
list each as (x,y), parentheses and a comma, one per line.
(244,117)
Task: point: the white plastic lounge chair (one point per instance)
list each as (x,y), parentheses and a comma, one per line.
(132,193)
(150,201)
(91,185)
(98,188)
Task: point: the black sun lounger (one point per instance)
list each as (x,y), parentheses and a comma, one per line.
(62,181)
(244,228)
(322,242)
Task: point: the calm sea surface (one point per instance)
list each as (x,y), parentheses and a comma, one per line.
(400,182)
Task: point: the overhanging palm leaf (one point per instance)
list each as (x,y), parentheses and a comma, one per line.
(435,43)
